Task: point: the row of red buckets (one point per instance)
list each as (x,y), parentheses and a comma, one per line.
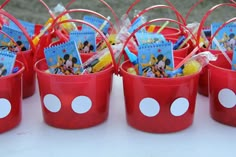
(157,105)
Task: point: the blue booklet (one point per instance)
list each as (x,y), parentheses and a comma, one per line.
(155,59)
(64,59)
(97,22)
(226,36)
(7,61)
(21,41)
(86,40)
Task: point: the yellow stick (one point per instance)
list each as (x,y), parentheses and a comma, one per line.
(163,26)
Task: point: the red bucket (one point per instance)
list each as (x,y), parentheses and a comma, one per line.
(159,105)
(29,74)
(182,52)
(11,99)
(167,31)
(222,91)
(74,102)
(203,79)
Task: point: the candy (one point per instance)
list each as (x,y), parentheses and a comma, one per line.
(191,67)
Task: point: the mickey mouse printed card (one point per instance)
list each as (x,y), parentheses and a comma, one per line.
(155,59)
(64,59)
(86,40)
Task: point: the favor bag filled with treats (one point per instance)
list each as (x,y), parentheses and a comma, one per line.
(79,76)
(164,96)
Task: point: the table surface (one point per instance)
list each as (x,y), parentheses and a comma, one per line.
(115,137)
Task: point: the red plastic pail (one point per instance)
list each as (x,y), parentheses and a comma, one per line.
(11,99)
(159,105)
(203,79)
(29,73)
(222,91)
(74,102)
(167,31)
(182,52)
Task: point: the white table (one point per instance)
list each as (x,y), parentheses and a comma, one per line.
(114,138)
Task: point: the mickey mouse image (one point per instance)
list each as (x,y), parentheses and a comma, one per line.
(88,47)
(3,71)
(66,65)
(69,64)
(157,66)
(161,65)
(85,47)
(14,47)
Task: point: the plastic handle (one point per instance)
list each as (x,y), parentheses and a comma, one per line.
(4,4)
(207,14)
(97,30)
(80,10)
(191,9)
(132,6)
(113,12)
(145,24)
(13,19)
(21,53)
(178,15)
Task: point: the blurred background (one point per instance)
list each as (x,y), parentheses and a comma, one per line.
(34,11)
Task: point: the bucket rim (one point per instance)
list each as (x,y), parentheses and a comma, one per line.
(123,71)
(108,69)
(20,71)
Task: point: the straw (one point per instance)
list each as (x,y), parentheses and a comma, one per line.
(163,26)
(186,59)
(222,50)
(103,24)
(188,38)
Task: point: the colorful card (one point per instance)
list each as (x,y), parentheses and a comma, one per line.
(226,36)
(30,27)
(148,38)
(97,22)
(64,59)
(7,61)
(86,40)
(234,59)
(155,59)
(18,37)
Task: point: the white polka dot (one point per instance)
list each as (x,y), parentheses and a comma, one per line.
(81,104)
(179,107)
(227,98)
(52,103)
(149,107)
(5,107)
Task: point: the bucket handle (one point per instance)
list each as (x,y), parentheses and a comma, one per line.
(72,1)
(13,19)
(178,15)
(83,11)
(94,28)
(207,14)
(217,31)
(143,25)
(4,4)
(113,12)
(61,35)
